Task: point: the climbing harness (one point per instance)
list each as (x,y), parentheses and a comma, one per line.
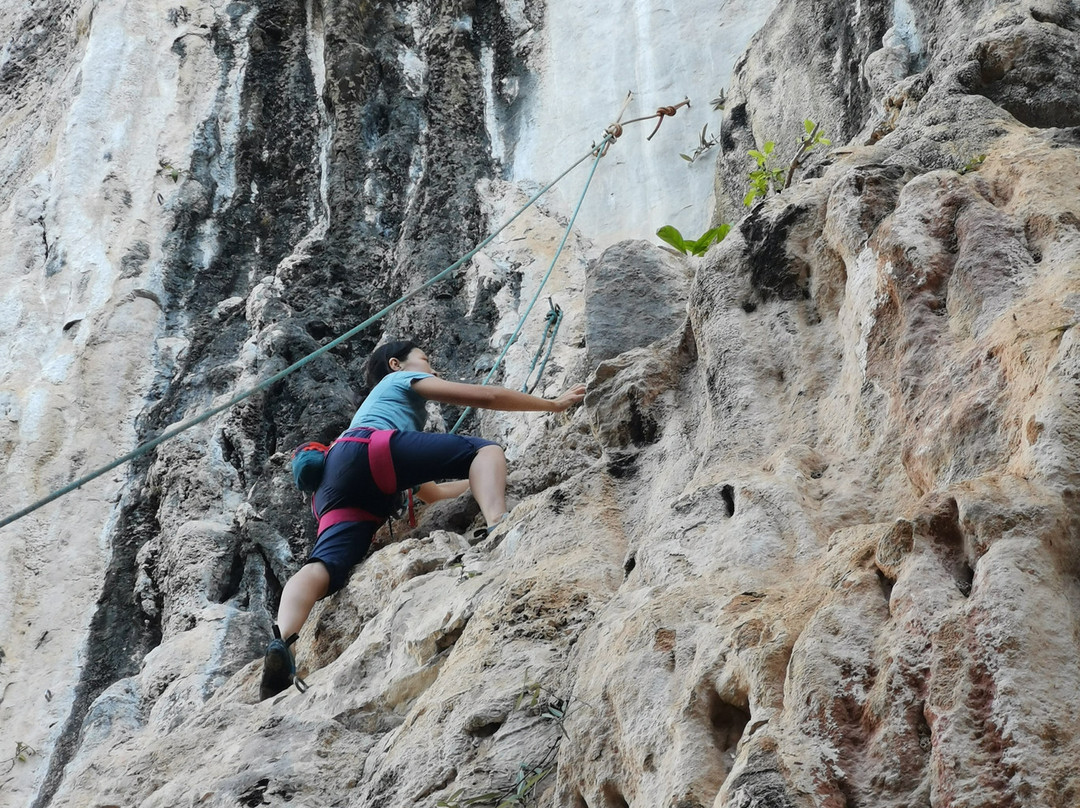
(379,457)
(597,151)
(309,460)
(553,320)
(383,473)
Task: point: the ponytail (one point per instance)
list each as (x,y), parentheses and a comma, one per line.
(378,364)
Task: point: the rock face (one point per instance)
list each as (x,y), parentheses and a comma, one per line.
(635,294)
(812,539)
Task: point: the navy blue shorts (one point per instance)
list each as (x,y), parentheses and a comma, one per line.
(419,457)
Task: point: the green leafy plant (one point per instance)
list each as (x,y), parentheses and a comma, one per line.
(705,140)
(768,175)
(973,164)
(697,246)
(22,753)
(169,170)
(705,143)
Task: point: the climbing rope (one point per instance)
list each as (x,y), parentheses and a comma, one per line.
(611,134)
(600,152)
(596,150)
(551,328)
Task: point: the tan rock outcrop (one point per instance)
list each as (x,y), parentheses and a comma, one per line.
(817,546)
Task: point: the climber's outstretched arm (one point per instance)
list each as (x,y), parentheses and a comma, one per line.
(494,398)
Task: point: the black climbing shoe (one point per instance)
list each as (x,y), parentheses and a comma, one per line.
(279,669)
(482,533)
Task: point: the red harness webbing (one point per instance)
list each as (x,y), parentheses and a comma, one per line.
(382,472)
(337,515)
(382,463)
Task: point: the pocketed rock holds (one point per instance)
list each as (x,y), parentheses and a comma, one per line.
(1032,68)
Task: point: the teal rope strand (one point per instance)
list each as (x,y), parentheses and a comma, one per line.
(551,330)
(173,432)
(599,151)
(550,348)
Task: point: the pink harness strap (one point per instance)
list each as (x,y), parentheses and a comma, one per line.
(382,471)
(338,515)
(379,457)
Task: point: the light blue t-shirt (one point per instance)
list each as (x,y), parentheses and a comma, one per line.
(393,404)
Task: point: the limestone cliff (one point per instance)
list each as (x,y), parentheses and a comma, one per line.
(812,539)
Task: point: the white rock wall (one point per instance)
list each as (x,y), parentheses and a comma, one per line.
(588,58)
(88,196)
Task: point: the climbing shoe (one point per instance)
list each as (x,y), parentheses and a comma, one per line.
(481,533)
(279,668)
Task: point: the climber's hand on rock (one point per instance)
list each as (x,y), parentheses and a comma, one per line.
(568,399)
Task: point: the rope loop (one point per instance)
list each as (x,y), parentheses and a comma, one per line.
(551,329)
(669,111)
(611,134)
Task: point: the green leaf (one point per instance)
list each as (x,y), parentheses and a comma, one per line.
(710,237)
(748,200)
(673,237)
(716,234)
(808,125)
(687,158)
(490,797)
(825,141)
(769,146)
(526,785)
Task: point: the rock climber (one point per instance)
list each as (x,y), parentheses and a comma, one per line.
(402,383)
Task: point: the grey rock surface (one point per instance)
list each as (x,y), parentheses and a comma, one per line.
(635,294)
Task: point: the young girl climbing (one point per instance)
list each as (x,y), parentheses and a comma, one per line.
(403,382)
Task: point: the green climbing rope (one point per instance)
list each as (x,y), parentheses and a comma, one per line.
(145,448)
(599,151)
(551,329)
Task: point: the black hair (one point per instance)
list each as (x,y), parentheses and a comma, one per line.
(378,364)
